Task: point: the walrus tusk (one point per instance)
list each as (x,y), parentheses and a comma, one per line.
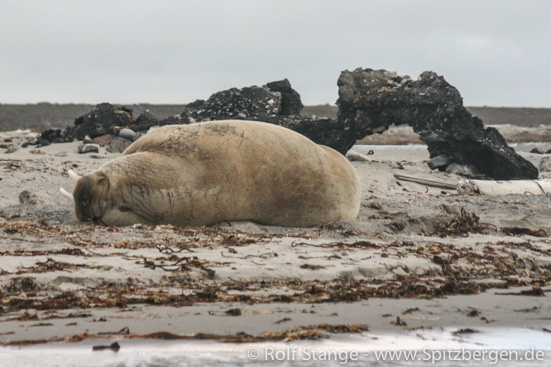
(66,194)
(73,175)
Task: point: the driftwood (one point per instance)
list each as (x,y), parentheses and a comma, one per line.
(352,155)
(426,182)
(522,187)
(484,187)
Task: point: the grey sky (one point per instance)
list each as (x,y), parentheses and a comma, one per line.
(497,52)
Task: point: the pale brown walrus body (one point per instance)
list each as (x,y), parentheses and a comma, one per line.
(206,173)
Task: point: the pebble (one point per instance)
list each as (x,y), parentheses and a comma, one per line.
(11,149)
(103,140)
(88,148)
(440,161)
(545,164)
(128,134)
(26,197)
(118,145)
(465,170)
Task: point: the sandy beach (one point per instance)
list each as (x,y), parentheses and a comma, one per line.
(416,259)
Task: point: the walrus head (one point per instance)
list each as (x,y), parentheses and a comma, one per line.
(90,196)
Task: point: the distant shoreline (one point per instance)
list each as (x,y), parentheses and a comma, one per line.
(51,115)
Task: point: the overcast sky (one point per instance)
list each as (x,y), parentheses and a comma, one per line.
(497,53)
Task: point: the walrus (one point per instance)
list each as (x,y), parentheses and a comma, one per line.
(211,172)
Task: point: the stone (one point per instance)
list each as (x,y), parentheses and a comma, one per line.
(50,136)
(466,170)
(103,140)
(11,149)
(249,103)
(27,198)
(88,148)
(545,164)
(536,151)
(43,142)
(372,100)
(276,103)
(118,145)
(290,99)
(321,130)
(101,121)
(144,122)
(87,140)
(30,141)
(440,162)
(128,134)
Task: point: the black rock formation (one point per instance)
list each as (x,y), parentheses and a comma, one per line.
(249,103)
(55,136)
(372,100)
(144,122)
(276,103)
(290,99)
(102,120)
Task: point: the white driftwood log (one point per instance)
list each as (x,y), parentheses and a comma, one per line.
(352,155)
(426,181)
(482,187)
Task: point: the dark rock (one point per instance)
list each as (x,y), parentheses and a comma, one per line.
(102,120)
(88,148)
(290,99)
(51,134)
(87,140)
(26,197)
(30,141)
(8,140)
(271,104)
(321,130)
(371,100)
(44,142)
(464,170)
(103,140)
(54,136)
(173,120)
(128,134)
(536,151)
(145,121)
(440,162)
(118,145)
(249,103)
(11,149)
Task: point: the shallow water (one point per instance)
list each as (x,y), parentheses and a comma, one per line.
(491,346)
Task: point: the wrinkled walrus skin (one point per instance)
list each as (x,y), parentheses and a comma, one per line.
(206,173)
